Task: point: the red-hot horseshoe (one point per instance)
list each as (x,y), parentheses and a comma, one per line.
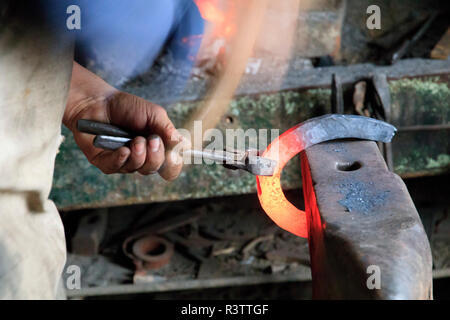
(297,139)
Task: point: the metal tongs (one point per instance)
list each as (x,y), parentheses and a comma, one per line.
(110,137)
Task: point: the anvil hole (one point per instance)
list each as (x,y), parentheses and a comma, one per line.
(348,166)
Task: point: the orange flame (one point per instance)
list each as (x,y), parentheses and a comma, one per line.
(209,10)
(223,19)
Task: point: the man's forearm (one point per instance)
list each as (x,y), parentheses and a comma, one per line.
(86,88)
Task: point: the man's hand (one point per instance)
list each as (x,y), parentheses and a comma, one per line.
(92,98)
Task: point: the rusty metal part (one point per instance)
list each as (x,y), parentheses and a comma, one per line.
(141,246)
(361,215)
(160,228)
(134,242)
(151,252)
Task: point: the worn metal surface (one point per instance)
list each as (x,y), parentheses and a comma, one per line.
(414,101)
(340,126)
(361,215)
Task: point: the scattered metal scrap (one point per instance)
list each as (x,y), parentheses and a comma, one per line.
(288,254)
(151,252)
(148,251)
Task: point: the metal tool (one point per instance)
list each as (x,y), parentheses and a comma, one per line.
(110,137)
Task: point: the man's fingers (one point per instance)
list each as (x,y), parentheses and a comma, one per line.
(111,161)
(174,143)
(137,157)
(172,166)
(160,124)
(154,156)
(174,156)
(145,117)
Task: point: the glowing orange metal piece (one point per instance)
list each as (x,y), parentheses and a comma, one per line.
(270,194)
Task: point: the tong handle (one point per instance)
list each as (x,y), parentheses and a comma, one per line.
(111,137)
(104,129)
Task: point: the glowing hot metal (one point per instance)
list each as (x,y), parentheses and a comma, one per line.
(295,140)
